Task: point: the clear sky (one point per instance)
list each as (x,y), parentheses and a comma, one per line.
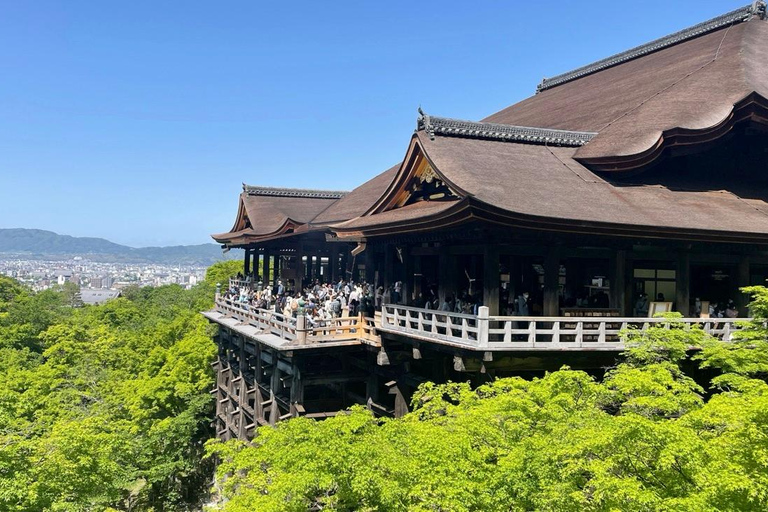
(138,121)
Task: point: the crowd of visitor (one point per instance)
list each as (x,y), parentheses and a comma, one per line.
(321,302)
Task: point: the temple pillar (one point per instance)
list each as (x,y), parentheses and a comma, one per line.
(247,262)
(446,279)
(278,266)
(387,277)
(369,262)
(683,284)
(265,267)
(300,271)
(408,278)
(333,263)
(743,273)
(318,266)
(417,277)
(552,282)
(618,269)
(491,279)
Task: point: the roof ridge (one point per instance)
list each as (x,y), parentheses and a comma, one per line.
(254,190)
(736,16)
(446,126)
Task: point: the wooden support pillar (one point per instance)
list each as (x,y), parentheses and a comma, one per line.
(743,275)
(345,264)
(370,262)
(408,279)
(446,274)
(683,284)
(491,279)
(265,268)
(300,271)
(552,282)
(297,392)
(333,263)
(372,389)
(417,277)
(274,388)
(318,266)
(247,262)
(618,268)
(388,275)
(278,267)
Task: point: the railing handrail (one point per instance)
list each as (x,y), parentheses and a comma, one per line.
(614,319)
(430,311)
(565,332)
(330,329)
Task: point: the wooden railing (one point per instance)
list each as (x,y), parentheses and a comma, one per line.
(534,333)
(300,331)
(239,283)
(268,321)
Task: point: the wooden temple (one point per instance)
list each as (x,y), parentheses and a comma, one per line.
(640,174)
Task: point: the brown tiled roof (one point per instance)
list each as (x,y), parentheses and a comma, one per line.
(528,164)
(546,184)
(693,84)
(272,211)
(359,200)
(419,211)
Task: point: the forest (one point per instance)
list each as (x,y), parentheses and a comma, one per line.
(108,408)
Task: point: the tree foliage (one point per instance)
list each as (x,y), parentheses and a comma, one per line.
(220,272)
(643,438)
(104,406)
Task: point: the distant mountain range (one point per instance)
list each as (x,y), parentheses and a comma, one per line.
(40,244)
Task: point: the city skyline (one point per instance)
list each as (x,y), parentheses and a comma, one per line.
(144,132)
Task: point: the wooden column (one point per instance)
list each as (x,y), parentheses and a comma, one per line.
(683,284)
(417,278)
(370,262)
(408,279)
(265,268)
(247,262)
(742,279)
(333,263)
(345,264)
(446,274)
(618,267)
(552,282)
(388,275)
(300,271)
(297,393)
(274,387)
(491,279)
(318,266)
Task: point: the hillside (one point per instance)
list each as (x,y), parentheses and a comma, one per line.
(39,244)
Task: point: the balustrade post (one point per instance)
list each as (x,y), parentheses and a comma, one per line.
(482,326)
(301,331)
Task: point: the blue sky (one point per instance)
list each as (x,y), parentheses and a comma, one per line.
(138,121)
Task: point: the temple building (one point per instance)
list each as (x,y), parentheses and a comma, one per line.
(640,177)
